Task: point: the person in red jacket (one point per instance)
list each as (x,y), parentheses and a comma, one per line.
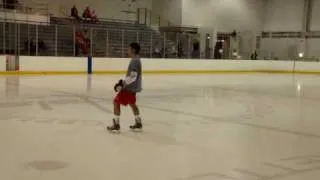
(87,13)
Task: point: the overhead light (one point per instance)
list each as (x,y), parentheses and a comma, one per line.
(301,55)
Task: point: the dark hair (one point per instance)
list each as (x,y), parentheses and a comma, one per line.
(135,47)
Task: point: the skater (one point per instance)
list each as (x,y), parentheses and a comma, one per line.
(127,90)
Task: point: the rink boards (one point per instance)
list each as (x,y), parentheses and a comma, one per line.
(82,65)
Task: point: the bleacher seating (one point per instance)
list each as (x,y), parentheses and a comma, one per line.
(109,38)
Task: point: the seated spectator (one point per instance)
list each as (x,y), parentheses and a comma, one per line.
(87,13)
(74,13)
(94,16)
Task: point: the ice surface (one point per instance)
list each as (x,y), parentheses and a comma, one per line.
(199,127)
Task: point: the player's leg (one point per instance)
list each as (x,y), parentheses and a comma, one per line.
(132,102)
(135,109)
(136,112)
(116,111)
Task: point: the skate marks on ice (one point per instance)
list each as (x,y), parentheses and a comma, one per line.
(253,110)
(57,121)
(209,120)
(47,165)
(57,99)
(286,167)
(45,106)
(257,108)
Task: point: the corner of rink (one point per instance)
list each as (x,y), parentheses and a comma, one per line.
(36,65)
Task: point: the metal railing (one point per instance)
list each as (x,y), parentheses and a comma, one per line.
(147,17)
(290,45)
(111,39)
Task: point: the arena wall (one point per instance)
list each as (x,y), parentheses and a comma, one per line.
(169,10)
(63,65)
(53,64)
(23,18)
(315,21)
(111,9)
(224,15)
(284,15)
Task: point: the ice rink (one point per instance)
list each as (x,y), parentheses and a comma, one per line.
(196,127)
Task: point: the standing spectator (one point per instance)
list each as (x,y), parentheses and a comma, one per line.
(218,49)
(78,42)
(74,13)
(196,50)
(42,46)
(82,42)
(30,47)
(86,41)
(254,56)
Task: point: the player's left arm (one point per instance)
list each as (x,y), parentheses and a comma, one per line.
(131,78)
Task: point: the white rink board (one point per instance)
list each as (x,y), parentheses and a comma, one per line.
(79,64)
(115,64)
(108,64)
(47,64)
(2,63)
(307,66)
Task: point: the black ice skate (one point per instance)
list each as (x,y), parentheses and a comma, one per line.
(114,127)
(137,125)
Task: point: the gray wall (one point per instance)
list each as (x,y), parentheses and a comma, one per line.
(104,8)
(170,10)
(222,15)
(219,15)
(288,15)
(283,15)
(315,22)
(225,15)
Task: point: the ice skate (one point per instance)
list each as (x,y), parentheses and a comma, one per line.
(115,127)
(137,126)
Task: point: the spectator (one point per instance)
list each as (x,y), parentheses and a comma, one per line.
(78,42)
(74,13)
(86,37)
(94,16)
(196,50)
(218,49)
(87,13)
(30,47)
(41,46)
(157,51)
(254,56)
(82,42)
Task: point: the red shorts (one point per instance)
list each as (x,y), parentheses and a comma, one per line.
(125,98)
